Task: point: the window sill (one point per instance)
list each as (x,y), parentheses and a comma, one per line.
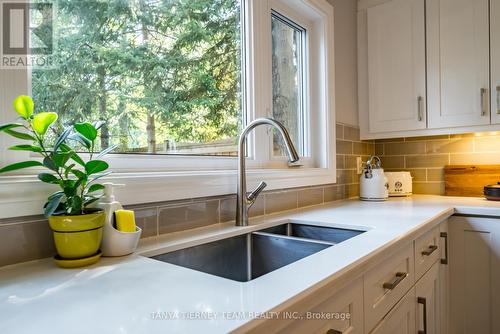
(25,195)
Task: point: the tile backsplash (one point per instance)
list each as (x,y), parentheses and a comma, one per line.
(29,238)
(425,157)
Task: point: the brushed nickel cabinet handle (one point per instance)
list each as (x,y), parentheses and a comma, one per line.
(395,282)
(423,302)
(333,331)
(484,92)
(420,101)
(431,249)
(498,100)
(444,235)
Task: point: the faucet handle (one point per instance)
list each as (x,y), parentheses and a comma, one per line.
(253,195)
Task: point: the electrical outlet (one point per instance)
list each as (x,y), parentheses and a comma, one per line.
(359,165)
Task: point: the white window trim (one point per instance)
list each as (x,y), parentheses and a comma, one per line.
(163,178)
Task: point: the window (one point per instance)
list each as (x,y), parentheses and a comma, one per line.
(176,80)
(288,71)
(164,75)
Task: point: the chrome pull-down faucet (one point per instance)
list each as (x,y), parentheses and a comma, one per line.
(243,200)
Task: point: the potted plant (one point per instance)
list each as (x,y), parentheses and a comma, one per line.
(77,228)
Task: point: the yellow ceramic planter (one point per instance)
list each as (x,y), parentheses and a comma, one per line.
(77,237)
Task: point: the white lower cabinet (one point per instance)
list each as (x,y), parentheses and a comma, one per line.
(387,283)
(474,275)
(401,319)
(322,312)
(407,291)
(428,308)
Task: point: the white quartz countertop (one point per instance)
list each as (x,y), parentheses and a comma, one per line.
(135,294)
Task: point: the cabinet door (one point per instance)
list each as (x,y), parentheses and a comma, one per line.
(495,60)
(444,277)
(396,66)
(474,275)
(428,308)
(401,319)
(458,63)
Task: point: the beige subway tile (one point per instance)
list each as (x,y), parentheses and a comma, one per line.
(418,174)
(184,217)
(355,176)
(258,208)
(351,133)
(462,135)
(339,131)
(393,162)
(434,188)
(147,220)
(425,138)
(475,158)
(390,140)
(366,148)
(340,161)
(350,161)
(404,148)
(344,147)
(228,209)
(432,160)
(310,196)
(334,193)
(370,148)
(352,190)
(450,146)
(281,201)
(487,144)
(25,242)
(345,176)
(435,174)
(379,149)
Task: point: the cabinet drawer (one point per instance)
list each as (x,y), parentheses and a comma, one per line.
(342,313)
(426,252)
(401,319)
(322,311)
(385,284)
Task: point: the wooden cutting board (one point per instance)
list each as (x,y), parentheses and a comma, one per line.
(469,180)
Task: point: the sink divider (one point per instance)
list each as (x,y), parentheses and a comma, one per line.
(322,242)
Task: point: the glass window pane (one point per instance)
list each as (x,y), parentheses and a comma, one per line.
(164,75)
(288,81)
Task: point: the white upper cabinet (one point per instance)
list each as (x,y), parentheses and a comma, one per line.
(458,63)
(396,66)
(495,60)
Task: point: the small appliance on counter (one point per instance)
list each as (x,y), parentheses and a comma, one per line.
(400,183)
(373,184)
(492,192)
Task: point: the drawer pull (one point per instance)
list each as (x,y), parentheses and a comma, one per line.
(333,331)
(423,301)
(395,282)
(429,250)
(445,236)
(420,101)
(484,105)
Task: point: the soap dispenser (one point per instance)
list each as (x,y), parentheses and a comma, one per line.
(115,242)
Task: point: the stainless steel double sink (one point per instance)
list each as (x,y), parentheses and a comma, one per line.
(245,257)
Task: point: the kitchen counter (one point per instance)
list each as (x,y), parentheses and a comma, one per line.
(135,294)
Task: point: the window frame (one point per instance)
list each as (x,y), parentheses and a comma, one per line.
(170,177)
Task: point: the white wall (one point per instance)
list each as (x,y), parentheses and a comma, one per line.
(346,90)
